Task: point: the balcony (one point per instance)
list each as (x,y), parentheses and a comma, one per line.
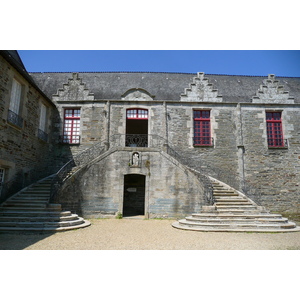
(14,119)
(136,140)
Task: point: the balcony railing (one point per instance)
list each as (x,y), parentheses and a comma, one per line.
(14,119)
(42,135)
(277,143)
(203,141)
(136,140)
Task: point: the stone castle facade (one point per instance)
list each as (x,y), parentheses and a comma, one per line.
(146,143)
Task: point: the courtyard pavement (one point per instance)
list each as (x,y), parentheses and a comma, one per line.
(135,234)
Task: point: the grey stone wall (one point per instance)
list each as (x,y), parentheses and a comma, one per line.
(274,173)
(97,190)
(24,156)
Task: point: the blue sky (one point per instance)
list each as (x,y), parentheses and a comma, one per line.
(242,62)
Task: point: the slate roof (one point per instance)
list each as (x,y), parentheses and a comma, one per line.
(165,86)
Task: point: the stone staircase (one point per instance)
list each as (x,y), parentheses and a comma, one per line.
(30,211)
(233,211)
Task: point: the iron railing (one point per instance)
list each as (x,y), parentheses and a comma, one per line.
(14,119)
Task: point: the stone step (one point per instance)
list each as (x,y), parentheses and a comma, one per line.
(239,215)
(55,224)
(38,209)
(238,220)
(29,198)
(36,192)
(20,200)
(225,193)
(246,206)
(238,210)
(232,200)
(43,229)
(32,214)
(52,218)
(232,203)
(250,226)
(24,204)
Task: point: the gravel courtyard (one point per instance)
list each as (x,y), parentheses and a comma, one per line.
(134,234)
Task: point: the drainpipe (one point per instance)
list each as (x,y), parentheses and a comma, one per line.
(107,125)
(165,126)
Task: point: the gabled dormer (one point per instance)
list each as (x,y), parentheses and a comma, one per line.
(200,90)
(74,90)
(271,91)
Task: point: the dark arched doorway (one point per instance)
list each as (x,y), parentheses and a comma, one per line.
(134,195)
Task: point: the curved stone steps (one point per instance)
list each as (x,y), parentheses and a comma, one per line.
(30,211)
(233,211)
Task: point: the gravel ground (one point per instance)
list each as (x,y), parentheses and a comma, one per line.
(133,234)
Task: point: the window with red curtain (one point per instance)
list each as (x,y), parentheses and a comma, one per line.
(71,126)
(202,135)
(274,129)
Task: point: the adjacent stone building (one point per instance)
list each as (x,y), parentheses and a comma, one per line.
(145,143)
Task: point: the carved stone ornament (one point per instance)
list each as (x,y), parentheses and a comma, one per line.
(135,159)
(272,92)
(74,90)
(137,94)
(201,90)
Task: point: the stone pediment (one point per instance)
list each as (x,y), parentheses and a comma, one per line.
(74,90)
(137,94)
(272,92)
(201,90)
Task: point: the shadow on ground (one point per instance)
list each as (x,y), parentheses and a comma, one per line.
(17,241)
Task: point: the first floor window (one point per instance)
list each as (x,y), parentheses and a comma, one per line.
(15,104)
(202,135)
(71,126)
(274,129)
(43,123)
(15,97)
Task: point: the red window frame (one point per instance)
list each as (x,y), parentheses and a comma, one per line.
(202,132)
(71,126)
(137,114)
(274,129)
